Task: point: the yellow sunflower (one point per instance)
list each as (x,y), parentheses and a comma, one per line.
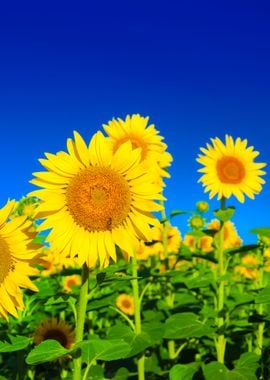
(17,254)
(125,303)
(173,239)
(93,199)
(135,129)
(229,169)
(54,329)
(70,281)
(248,267)
(231,237)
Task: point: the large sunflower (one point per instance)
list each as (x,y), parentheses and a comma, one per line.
(94,199)
(229,169)
(135,129)
(17,253)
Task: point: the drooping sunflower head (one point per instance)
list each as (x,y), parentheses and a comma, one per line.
(135,129)
(93,199)
(17,255)
(229,169)
(125,303)
(57,330)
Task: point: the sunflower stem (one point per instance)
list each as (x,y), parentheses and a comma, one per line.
(260,310)
(220,340)
(81,312)
(137,314)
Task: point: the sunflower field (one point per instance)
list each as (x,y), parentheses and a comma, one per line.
(97,281)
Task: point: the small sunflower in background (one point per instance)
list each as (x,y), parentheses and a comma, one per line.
(196,222)
(93,199)
(135,129)
(230,235)
(26,206)
(248,267)
(229,169)
(70,281)
(57,330)
(17,256)
(202,206)
(125,303)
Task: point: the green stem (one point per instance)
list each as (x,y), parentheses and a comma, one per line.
(220,340)
(81,312)
(137,314)
(260,310)
(125,317)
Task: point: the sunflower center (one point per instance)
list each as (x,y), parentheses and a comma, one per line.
(230,170)
(98,199)
(6,261)
(58,335)
(126,304)
(136,142)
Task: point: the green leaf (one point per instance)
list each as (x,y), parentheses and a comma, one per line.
(96,372)
(244,370)
(183,371)
(263,296)
(178,212)
(201,281)
(262,231)
(17,343)
(225,215)
(151,364)
(185,325)
(243,249)
(247,365)
(97,349)
(46,351)
(101,302)
(214,371)
(121,374)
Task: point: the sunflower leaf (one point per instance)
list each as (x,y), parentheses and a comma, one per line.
(46,351)
(225,215)
(17,343)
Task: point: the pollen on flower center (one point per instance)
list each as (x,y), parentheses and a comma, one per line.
(230,170)
(98,199)
(6,261)
(136,143)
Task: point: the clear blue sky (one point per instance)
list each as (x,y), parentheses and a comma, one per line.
(197,69)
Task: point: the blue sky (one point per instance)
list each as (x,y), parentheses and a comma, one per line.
(197,69)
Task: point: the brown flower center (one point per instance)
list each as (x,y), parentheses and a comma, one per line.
(230,170)
(7,263)
(98,199)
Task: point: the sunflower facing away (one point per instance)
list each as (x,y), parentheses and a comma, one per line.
(54,329)
(135,129)
(93,199)
(17,253)
(229,169)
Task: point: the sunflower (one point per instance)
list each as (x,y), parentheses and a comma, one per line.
(135,129)
(53,262)
(231,239)
(202,206)
(70,281)
(125,303)
(229,169)
(248,267)
(57,330)
(17,254)
(196,222)
(93,199)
